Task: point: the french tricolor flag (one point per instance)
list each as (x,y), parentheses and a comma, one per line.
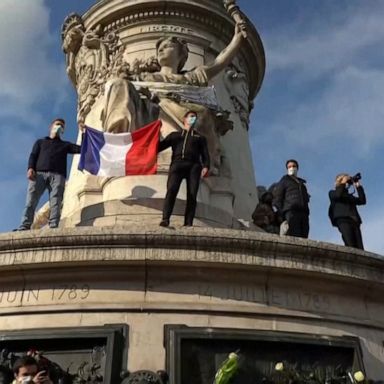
(120,154)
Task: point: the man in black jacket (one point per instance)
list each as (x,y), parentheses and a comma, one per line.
(343,212)
(47,168)
(190,161)
(291,199)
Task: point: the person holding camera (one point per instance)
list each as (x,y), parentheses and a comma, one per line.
(342,210)
(26,371)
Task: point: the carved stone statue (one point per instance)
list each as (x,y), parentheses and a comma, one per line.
(88,54)
(129,68)
(139,93)
(129,104)
(237,84)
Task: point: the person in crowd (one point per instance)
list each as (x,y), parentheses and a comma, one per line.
(47,168)
(26,371)
(291,199)
(190,161)
(343,211)
(264,216)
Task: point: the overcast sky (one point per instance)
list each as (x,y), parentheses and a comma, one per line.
(321,101)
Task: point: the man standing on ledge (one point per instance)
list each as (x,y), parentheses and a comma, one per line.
(291,200)
(47,168)
(190,161)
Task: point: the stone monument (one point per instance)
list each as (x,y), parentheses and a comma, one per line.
(119,299)
(134,64)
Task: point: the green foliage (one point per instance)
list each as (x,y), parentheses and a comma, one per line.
(227,369)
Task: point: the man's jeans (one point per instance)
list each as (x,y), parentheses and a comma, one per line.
(55,183)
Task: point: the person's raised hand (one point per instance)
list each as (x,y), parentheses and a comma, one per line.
(41,377)
(241,29)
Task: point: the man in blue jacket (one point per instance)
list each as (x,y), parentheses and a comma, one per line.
(47,169)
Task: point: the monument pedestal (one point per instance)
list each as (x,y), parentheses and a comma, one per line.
(171,288)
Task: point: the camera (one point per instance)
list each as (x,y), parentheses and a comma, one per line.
(355,178)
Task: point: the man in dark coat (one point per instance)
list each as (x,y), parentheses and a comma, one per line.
(343,212)
(190,161)
(291,199)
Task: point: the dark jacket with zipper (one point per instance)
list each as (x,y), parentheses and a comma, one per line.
(50,155)
(187,146)
(343,204)
(290,194)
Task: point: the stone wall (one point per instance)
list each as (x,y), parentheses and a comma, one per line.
(149,278)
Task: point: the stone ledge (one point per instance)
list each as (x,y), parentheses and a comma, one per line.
(192,246)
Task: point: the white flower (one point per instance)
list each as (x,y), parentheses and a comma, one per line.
(359,376)
(279,366)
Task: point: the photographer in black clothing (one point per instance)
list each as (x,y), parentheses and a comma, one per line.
(343,212)
(190,161)
(291,199)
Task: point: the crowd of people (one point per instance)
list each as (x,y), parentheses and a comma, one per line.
(283,209)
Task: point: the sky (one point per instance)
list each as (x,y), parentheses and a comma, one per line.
(321,101)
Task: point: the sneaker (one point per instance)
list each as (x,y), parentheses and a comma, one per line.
(20,229)
(164,223)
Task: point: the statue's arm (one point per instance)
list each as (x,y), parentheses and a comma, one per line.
(227,55)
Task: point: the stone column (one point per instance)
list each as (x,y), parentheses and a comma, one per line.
(115,35)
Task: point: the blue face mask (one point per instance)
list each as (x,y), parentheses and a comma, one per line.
(58,129)
(192,120)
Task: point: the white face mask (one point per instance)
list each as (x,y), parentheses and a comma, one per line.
(26,380)
(292,171)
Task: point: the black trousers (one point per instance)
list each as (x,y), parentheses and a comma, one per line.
(350,232)
(178,171)
(298,222)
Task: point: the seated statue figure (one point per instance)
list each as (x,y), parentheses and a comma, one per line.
(128,106)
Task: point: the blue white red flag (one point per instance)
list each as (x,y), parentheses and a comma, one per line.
(120,154)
